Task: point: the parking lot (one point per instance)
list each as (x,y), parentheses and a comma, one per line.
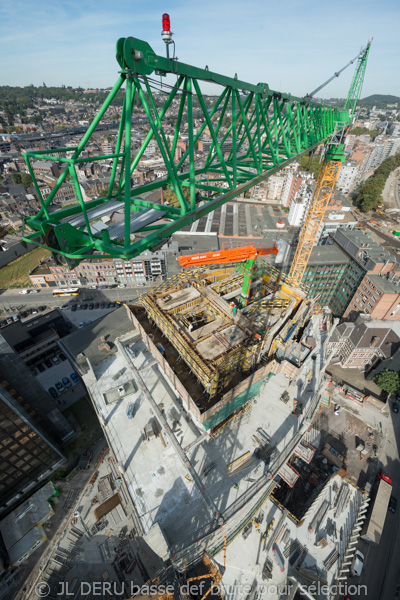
(86,315)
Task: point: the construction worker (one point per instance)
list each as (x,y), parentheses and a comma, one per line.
(236,486)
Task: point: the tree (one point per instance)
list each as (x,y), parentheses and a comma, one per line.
(388,380)
(373,133)
(26,180)
(312,164)
(171,197)
(16,177)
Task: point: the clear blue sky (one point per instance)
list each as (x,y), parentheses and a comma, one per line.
(292,45)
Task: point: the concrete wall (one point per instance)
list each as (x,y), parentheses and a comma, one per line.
(238,396)
(187,399)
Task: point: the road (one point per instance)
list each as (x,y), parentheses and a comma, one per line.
(390,192)
(11,299)
(381,571)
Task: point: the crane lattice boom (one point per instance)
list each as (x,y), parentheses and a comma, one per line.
(253,131)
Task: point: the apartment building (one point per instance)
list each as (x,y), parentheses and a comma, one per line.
(348,177)
(332,222)
(364,343)
(102,271)
(378,296)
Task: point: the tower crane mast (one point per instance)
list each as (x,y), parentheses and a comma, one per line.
(328,174)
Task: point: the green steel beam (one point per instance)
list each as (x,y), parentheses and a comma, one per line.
(268,130)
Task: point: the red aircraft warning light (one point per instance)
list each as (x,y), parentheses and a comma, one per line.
(166,25)
(166,33)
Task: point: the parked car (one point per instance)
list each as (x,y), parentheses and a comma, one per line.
(42,308)
(112,304)
(357,564)
(81,324)
(91,306)
(108,305)
(60,387)
(73,308)
(92,287)
(52,392)
(121,285)
(48,363)
(64,307)
(395,407)
(62,356)
(84,307)
(103,287)
(15,318)
(40,367)
(66,382)
(23,292)
(74,377)
(102,305)
(33,291)
(96,305)
(55,360)
(392,504)
(79,307)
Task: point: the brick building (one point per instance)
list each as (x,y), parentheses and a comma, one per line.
(364,343)
(378,296)
(102,271)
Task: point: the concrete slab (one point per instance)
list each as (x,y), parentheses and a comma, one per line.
(221,341)
(246,557)
(178,298)
(207,329)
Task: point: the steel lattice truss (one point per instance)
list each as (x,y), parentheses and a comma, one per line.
(266,131)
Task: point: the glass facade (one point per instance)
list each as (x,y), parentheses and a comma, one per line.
(25,453)
(335,284)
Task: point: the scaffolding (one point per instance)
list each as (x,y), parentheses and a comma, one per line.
(197,311)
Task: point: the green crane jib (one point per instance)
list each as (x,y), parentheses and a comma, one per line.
(254,132)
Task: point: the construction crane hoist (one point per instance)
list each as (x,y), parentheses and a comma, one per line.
(246,254)
(253,131)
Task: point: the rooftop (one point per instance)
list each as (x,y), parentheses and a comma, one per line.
(313,542)
(384,284)
(177,475)
(35,510)
(329,254)
(87,342)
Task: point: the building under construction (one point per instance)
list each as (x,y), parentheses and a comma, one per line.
(194,321)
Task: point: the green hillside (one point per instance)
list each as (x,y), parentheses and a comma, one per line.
(380,99)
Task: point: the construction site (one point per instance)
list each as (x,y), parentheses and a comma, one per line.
(201,482)
(208,389)
(223,353)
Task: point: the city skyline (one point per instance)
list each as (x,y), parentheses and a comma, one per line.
(74,45)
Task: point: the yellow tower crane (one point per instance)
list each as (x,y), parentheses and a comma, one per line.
(333,159)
